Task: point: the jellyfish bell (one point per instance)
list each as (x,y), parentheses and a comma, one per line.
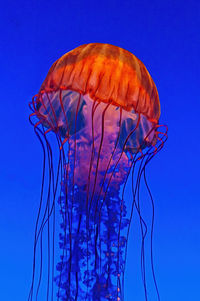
(104,109)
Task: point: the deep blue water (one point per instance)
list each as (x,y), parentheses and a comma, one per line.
(164,35)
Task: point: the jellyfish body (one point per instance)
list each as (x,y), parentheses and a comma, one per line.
(102,105)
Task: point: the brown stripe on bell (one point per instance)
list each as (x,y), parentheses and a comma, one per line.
(109,74)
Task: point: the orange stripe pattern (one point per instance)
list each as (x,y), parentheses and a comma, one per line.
(107,73)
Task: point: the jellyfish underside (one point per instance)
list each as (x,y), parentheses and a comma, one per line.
(99,145)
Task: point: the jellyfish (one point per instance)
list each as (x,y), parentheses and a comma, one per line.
(97,118)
